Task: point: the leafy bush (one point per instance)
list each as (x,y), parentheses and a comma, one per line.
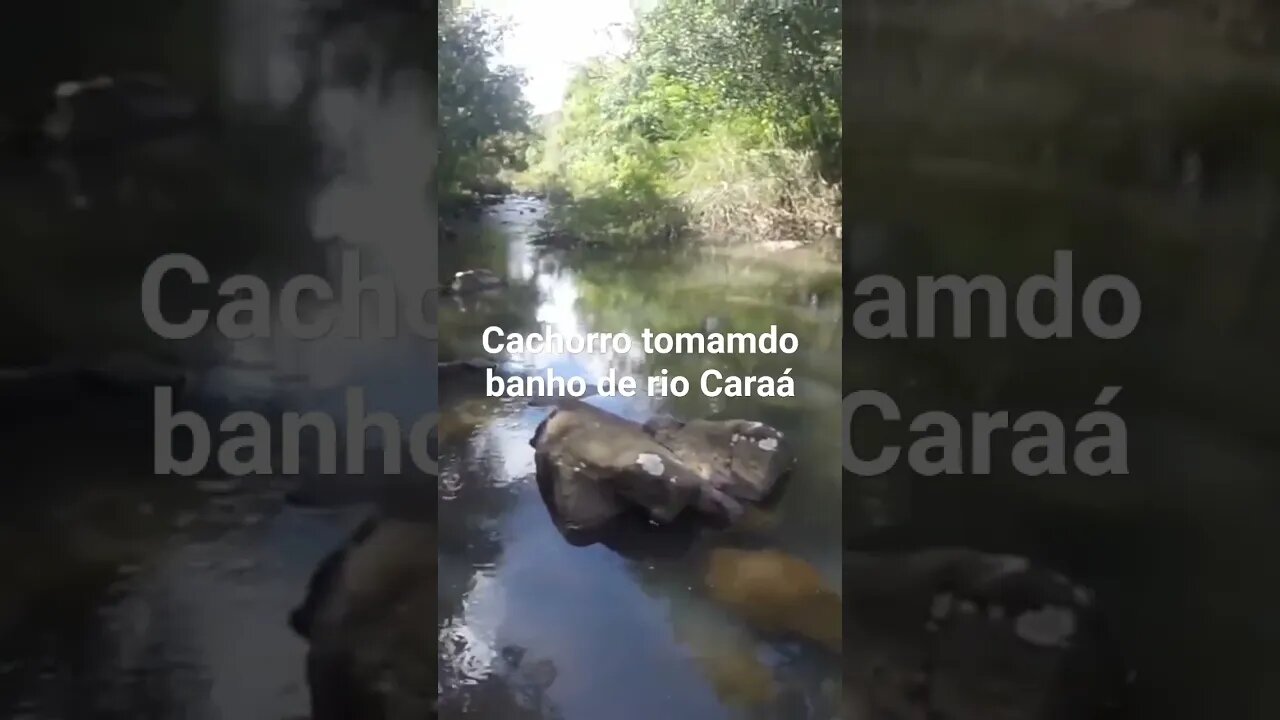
(722,115)
(484,119)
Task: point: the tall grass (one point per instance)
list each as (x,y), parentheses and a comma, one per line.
(719,186)
(731,189)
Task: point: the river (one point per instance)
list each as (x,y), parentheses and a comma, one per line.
(629,634)
(134,596)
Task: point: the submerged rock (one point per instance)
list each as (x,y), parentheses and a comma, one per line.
(777,593)
(740,678)
(369,617)
(593,466)
(948,632)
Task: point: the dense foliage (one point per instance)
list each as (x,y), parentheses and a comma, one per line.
(484,119)
(720,115)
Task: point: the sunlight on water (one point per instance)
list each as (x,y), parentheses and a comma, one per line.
(559,308)
(639,634)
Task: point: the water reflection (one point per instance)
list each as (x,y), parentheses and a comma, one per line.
(627,623)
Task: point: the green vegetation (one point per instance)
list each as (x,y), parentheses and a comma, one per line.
(721,117)
(484,120)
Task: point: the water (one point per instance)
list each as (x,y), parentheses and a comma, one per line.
(629,634)
(134,596)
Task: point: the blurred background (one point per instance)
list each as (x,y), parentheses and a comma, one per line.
(981,136)
(261,137)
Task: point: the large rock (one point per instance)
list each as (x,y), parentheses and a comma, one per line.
(593,466)
(744,458)
(370,620)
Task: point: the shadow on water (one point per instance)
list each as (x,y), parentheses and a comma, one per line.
(986,141)
(625,618)
(138,596)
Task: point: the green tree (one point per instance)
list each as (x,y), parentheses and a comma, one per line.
(484,119)
(721,112)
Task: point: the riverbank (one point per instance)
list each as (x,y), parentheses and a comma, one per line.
(719,122)
(582,228)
